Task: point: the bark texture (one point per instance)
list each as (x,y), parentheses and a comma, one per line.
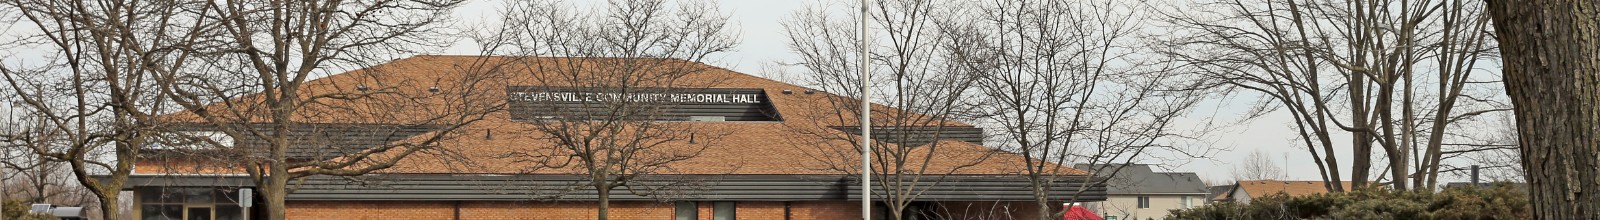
(1552,73)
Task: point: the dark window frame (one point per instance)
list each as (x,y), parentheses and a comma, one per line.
(693,211)
(179,199)
(717,210)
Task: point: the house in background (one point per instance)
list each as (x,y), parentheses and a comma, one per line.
(1138,192)
(1217,192)
(1245,190)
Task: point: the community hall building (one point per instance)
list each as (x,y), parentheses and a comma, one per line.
(755,148)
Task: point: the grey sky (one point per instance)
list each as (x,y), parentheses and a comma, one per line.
(763,45)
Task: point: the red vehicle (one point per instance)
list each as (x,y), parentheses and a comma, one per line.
(1078,212)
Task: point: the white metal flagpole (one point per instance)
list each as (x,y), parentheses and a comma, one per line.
(866,120)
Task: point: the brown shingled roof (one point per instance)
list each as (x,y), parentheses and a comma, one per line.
(746,147)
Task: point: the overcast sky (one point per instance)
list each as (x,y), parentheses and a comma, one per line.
(763,44)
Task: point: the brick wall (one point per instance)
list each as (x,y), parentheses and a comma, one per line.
(369,210)
(563,210)
(361,210)
(825,210)
(756,210)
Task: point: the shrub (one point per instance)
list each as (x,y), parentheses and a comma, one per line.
(19,211)
(1499,202)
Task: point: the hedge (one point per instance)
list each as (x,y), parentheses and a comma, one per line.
(1499,202)
(18,210)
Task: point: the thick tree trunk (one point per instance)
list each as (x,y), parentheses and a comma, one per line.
(109,212)
(276,191)
(1552,74)
(1361,167)
(603,212)
(1051,208)
(276,188)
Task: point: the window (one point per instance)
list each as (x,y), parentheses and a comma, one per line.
(1144,202)
(174,203)
(199,213)
(685,211)
(230,212)
(161,212)
(722,211)
(1184,200)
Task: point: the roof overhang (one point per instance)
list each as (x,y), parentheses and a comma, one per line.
(753,187)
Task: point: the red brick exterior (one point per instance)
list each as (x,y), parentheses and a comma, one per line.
(825,210)
(369,210)
(362,210)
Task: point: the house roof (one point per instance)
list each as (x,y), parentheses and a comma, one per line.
(798,144)
(1141,179)
(1292,188)
(1217,192)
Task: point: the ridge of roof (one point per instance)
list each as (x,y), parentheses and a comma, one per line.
(1141,179)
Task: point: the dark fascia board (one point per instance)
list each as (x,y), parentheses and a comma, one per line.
(471,187)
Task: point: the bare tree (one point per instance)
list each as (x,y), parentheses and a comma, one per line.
(1551,62)
(254,100)
(624,56)
(92,92)
(1499,156)
(1258,166)
(926,94)
(1393,74)
(1064,82)
(42,180)
(5,177)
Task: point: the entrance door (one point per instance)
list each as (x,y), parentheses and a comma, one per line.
(197,213)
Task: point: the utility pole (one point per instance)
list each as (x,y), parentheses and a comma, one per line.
(866,120)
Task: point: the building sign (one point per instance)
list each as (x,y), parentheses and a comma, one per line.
(613,97)
(664,104)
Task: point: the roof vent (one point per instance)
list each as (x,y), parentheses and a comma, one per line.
(434,89)
(708,118)
(808,92)
(788,91)
(362,88)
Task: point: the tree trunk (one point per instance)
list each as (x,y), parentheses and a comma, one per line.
(1551,52)
(109,212)
(1044,209)
(276,190)
(1041,191)
(602,213)
(1360,141)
